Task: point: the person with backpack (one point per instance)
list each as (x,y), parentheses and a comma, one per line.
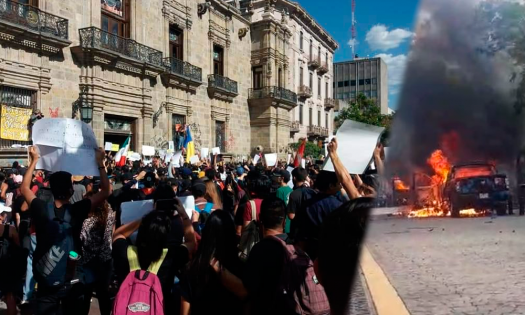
(203,207)
(203,289)
(278,273)
(58,225)
(147,271)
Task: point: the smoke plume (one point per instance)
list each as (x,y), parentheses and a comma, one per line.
(458,94)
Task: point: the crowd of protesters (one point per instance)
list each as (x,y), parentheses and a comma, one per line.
(63,241)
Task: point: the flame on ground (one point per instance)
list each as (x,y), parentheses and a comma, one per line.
(437,212)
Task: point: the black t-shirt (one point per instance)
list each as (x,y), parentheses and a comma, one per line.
(213,297)
(175,260)
(263,274)
(296,202)
(47,228)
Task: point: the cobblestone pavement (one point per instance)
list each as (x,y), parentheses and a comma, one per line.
(453,266)
(360,300)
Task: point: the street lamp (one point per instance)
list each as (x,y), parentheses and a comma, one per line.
(86,112)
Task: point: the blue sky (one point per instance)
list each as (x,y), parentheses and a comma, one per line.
(383,28)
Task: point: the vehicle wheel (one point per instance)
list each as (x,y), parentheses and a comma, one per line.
(454,211)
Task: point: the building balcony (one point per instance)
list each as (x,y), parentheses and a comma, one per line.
(33,28)
(119,52)
(330,103)
(317,132)
(273,95)
(314,62)
(304,92)
(181,74)
(324,132)
(323,68)
(222,87)
(295,127)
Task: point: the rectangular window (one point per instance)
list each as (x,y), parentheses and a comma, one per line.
(326,90)
(218,60)
(177,123)
(319,87)
(339,96)
(374,94)
(352,95)
(319,118)
(347,96)
(368,81)
(115,17)
(176,42)
(361,82)
(220,135)
(301,40)
(301,114)
(374,81)
(257,77)
(301,76)
(310,116)
(367,94)
(311,81)
(16,98)
(347,83)
(33,3)
(319,53)
(333,84)
(340,84)
(326,121)
(326,58)
(311,48)
(352,82)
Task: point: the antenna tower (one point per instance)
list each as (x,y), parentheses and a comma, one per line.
(354,32)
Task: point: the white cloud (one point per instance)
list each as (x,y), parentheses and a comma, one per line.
(380,38)
(353,41)
(396,70)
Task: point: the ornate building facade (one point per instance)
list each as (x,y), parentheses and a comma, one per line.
(129,67)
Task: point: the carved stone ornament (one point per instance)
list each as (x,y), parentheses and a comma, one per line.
(242,32)
(202,8)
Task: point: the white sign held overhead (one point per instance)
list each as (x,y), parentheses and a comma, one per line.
(108,146)
(290,183)
(176,159)
(256,159)
(148,150)
(171,145)
(135,156)
(65,145)
(168,157)
(215,151)
(303,163)
(134,210)
(205,152)
(188,203)
(356,144)
(194,159)
(288,160)
(271,159)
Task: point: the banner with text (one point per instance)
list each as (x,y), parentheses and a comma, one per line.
(14,123)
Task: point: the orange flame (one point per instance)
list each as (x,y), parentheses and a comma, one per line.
(399,185)
(436,212)
(439,163)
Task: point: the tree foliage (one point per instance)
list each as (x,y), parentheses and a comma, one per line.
(311,149)
(364,110)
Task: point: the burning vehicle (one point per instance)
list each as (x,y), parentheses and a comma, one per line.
(477,186)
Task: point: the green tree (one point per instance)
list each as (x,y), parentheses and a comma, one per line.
(364,110)
(311,149)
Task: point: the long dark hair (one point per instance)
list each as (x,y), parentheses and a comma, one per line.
(100,213)
(342,234)
(219,240)
(152,237)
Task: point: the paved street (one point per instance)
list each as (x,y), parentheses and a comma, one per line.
(453,266)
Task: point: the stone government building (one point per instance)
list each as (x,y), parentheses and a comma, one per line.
(143,68)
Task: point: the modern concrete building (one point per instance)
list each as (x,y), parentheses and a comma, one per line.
(129,67)
(292,58)
(362,75)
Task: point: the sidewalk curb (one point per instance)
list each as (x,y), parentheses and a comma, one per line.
(384,296)
(371,306)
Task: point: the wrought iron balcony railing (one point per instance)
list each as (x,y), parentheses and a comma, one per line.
(296,126)
(305,91)
(34,19)
(330,103)
(314,62)
(93,37)
(323,132)
(313,131)
(222,83)
(184,69)
(273,92)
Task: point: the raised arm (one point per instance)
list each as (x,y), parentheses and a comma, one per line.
(377,159)
(341,171)
(189,233)
(103,194)
(126,230)
(25,188)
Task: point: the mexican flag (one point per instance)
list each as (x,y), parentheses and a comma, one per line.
(120,158)
(300,154)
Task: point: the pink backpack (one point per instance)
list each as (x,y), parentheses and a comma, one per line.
(141,291)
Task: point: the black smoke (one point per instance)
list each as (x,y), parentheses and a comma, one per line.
(455,97)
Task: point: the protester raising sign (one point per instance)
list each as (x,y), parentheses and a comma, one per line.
(65,145)
(14,123)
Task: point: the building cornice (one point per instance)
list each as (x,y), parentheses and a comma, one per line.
(228,10)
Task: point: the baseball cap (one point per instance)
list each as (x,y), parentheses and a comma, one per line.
(240,171)
(282,173)
(198,187)
(185,171)
(202,174)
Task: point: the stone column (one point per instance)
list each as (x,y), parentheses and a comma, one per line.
(138,135)
(98,124)
(147,125)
